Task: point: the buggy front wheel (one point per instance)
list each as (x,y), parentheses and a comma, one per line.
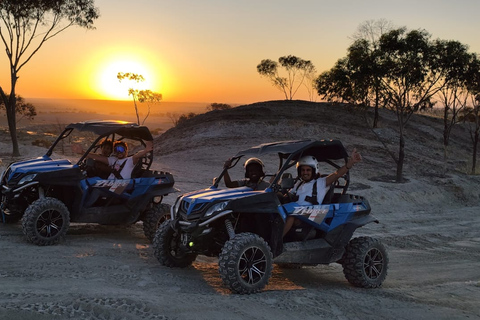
(167,247)
(365,262)
(46,221)
(245,263)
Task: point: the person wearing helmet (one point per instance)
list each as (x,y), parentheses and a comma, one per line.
(254,174)
(102,169)
(311,188)
(121,165)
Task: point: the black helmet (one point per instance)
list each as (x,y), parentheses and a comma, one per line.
(254,161)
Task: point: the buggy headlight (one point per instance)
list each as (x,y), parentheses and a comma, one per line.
(27,178)
(216,207)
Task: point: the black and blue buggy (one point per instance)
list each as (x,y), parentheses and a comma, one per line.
(243,227)
(47,193)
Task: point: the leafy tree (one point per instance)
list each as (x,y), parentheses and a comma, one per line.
(22,109)
(402,71)
(218,106)
(357,77)
(472,117)
(472,112)
(143,96)
(25,26)
(453,62)
(296,68)
(184,117)
(410,77)
(337,84)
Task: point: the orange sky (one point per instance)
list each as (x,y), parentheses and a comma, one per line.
(207,51)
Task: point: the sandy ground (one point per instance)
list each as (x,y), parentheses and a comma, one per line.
(431,228)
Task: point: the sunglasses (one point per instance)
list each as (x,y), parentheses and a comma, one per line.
(120,149)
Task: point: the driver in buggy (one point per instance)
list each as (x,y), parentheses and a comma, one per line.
(119,164)
(254,174)
(101,169)
(311,188)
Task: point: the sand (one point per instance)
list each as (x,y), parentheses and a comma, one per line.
(430,225)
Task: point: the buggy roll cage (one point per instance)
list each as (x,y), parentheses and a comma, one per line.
(105,129)
(289,152)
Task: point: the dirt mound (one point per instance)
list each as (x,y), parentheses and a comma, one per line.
(263,122)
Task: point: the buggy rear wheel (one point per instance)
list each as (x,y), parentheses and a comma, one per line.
(245,263)
(46,221)
(154,217)
(167,249)
(365,262)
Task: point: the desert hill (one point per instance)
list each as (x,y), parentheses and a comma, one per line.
(210,138)
(429,224)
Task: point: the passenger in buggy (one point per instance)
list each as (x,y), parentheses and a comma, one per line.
(311,188)
(120,165)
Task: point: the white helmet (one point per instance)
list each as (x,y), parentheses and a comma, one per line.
(310,161)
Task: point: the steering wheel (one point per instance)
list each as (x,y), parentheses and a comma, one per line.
(88,165)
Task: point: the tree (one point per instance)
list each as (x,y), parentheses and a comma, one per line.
(472,112)
(453,61)
(184,117)
(143,96)
(402,72)
(25,26)
(218,106)
(410,77)
(357,77)
(310,78)
(372,30)
(22,108)
(296,68)
(472,117)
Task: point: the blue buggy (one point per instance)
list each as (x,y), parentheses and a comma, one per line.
(48,194)
(243,227)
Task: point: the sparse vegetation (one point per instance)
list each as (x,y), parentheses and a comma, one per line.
(403,71)
(218,106)
(25,26)
(142,96)
(297,71)
(23,109)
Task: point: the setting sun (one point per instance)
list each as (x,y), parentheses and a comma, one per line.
(114,89)
(103,70)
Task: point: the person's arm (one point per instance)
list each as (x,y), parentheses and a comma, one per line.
(77,148)
(98,157)
(354,158)
(226,177)
(137,156)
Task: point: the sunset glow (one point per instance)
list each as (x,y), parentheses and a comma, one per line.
(111,88)
(100,73)
(208,51)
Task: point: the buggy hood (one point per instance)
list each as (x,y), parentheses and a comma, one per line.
(239,199)
(16,171)
(213,194)
(42,164)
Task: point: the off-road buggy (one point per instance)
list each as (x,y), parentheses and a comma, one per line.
(243,227)
(48,194)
